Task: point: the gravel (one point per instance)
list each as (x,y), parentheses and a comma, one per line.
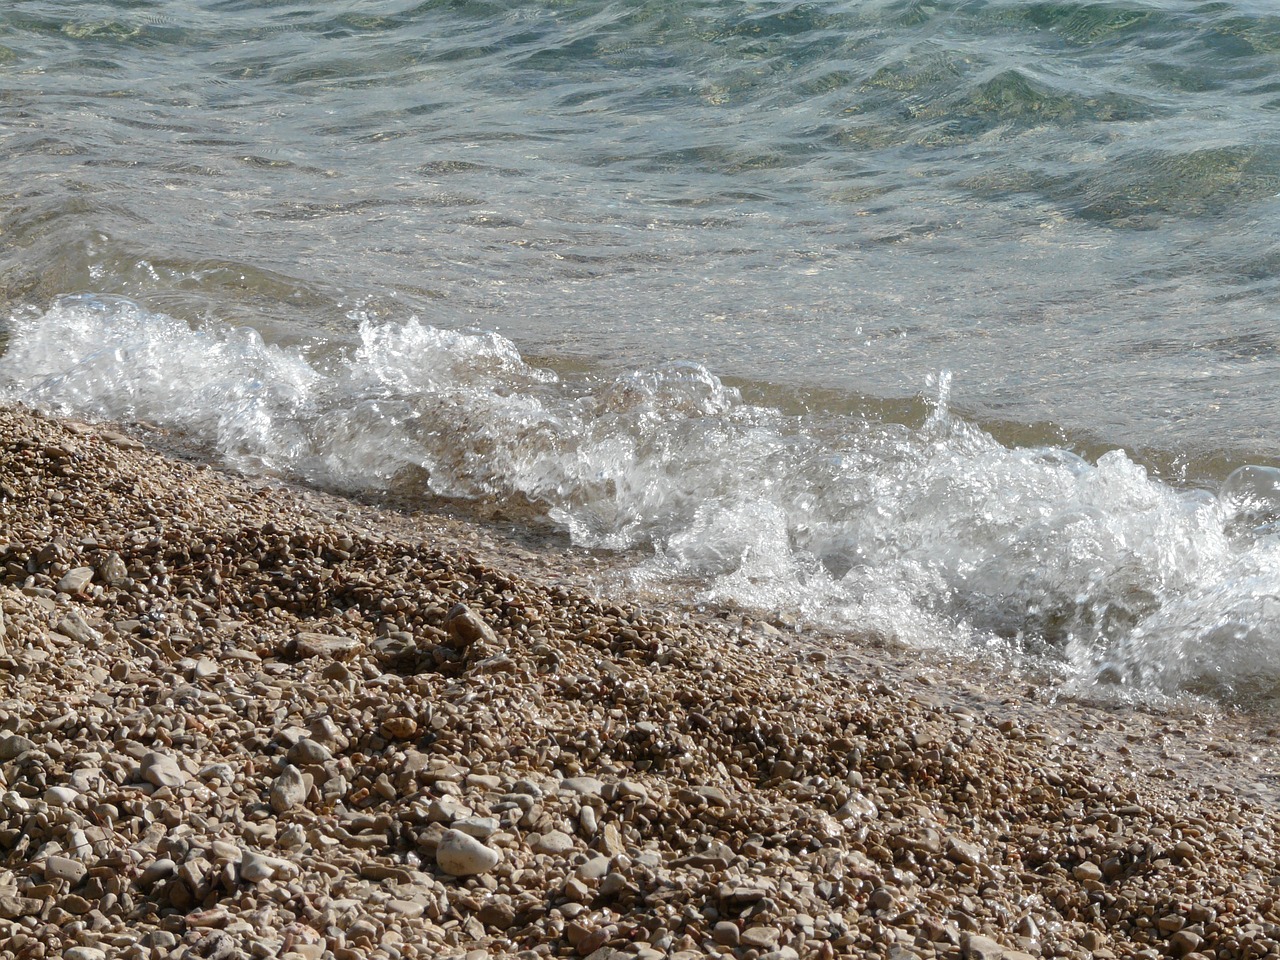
(245,720)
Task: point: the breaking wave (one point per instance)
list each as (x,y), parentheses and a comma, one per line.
(935,533)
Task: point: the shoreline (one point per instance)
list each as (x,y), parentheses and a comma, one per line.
(238,712)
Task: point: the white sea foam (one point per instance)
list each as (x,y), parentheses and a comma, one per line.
(937,534)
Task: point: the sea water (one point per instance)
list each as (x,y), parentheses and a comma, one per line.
(954,321)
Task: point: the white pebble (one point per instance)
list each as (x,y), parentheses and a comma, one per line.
(463,856)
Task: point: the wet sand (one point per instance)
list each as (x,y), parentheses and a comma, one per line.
(246,719)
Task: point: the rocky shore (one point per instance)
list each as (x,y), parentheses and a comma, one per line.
(244,720)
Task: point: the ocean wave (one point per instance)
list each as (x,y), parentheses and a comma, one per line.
(934,532)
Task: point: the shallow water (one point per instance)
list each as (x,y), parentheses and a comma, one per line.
(948,319)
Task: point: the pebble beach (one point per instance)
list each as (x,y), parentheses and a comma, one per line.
(245,719)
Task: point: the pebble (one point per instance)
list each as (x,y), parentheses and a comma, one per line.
(447,810)
(1184,941)
(482,828)
(975,947)
(593,868)
(157,870)
(639,782)
(14,746)
(221,772)
(256,867)
(965,853)
(75,580)
(759,938)
(112,569)
(65,868)
(398,728)
(288,791)
(552,843)
(463,856)
(74,627)
(881,900)
(726,933)
(631,790)
(162,770)
(587,786)
(309,752)
(326,647)
(1087,871)
(60,796)
(465,627)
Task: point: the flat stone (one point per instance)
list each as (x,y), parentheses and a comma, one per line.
(327,647)
(84,953)
(221,772)
(717,856)
(447,810)
(74,627)
(161,770)
(713,795)
(226,850)
(610,840)
(587,786)
(308,752)
(631,790)
(411,909)
(497,913)
(211,919)
(75,580)
(593,869)
(552,843)
(75,904)
(482,828)
(13,906)
(964,853)
(60,796)
(760,938)
(528,788)
(463,856)
(14,746)
(64,868)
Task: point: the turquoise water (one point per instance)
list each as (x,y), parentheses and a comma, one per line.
(950,318)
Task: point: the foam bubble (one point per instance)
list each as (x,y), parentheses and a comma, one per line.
(938,534)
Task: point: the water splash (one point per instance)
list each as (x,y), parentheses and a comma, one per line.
(937,534)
